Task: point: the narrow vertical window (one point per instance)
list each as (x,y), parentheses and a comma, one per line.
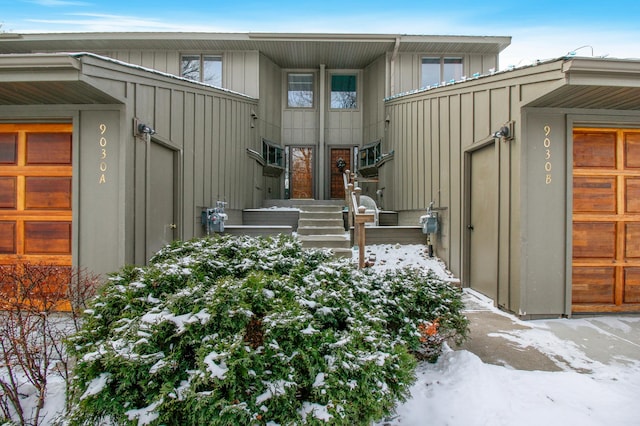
(343,91)
(430,71)
(300,90)
(212,70)
(190,67)
(452,69)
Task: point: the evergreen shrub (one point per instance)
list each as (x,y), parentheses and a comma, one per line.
(243,331)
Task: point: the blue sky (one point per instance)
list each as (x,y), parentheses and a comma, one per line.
(540,29)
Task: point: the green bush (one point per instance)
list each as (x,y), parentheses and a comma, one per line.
(239,330)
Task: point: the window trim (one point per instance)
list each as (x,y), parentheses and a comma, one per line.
(313,89)
(355,74)
(375,147)
(273,169)
(442,59)
(202,57)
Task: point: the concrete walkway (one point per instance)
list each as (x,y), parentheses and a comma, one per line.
(577,344)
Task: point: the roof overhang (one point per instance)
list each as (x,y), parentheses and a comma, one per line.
(46,79)
(595,83)
(287,50)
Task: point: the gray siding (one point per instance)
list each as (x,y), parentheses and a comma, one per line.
(407,75)
(430,132)
(373,101)
(240,70)
(211,129)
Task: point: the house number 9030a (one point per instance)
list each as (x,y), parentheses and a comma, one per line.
(102,154)
(547,154)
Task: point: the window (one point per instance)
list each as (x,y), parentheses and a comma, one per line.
(204,68)
(343,91)
(438,70)
(272,154)
(300,90)
(370,155)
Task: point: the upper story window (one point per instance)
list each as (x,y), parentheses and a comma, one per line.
(343,91)
(300,90)
(436,70)
(204,68)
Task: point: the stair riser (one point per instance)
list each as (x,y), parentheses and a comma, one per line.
(321,231)
(321,215)
(332,223)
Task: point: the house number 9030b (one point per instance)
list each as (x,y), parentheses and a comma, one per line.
(103,154)
(547,154)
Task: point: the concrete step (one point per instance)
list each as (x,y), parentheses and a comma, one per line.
(321,215)
(304,222)
(320,230)
(320,208)
(325,241)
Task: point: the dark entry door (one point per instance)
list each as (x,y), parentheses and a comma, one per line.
(483,233)
(337,182)
(301,172)
(162,227)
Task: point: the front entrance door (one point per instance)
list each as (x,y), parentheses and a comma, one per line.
(35,199)
(161,228)
(337,181)
(606,220)
(301,159)
(482,226)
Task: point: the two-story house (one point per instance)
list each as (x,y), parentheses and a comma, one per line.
(112,143)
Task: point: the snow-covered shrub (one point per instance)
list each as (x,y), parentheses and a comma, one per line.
(240,330)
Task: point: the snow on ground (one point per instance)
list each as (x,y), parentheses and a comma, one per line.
(598,388)
(598,385)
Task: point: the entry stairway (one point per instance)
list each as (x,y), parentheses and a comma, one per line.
(322,226)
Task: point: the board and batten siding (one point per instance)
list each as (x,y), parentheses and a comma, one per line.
(240,69)
(208,129)
(407,72)
(429,133)
(373,119)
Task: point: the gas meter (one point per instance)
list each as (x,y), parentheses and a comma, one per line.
(213,218)
(429,224)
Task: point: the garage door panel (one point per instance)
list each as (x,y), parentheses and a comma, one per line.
(8,237)
(8,148)
(594,149)
(7,285)
(48,193)
(593,285)
(594,240)
(606,220)
(8,193)
(632,285)
(594,194)
(632,150)
(632,195)
(48,148)
(632,240)
(47,237)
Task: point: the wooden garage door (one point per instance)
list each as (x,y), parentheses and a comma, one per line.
(606,220)
(35,198)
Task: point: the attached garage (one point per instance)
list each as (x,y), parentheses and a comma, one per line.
(536,175)
(81,186)
(35,194)
(606,220)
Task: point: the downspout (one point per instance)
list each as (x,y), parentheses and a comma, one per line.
(392,71)
(321,142)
